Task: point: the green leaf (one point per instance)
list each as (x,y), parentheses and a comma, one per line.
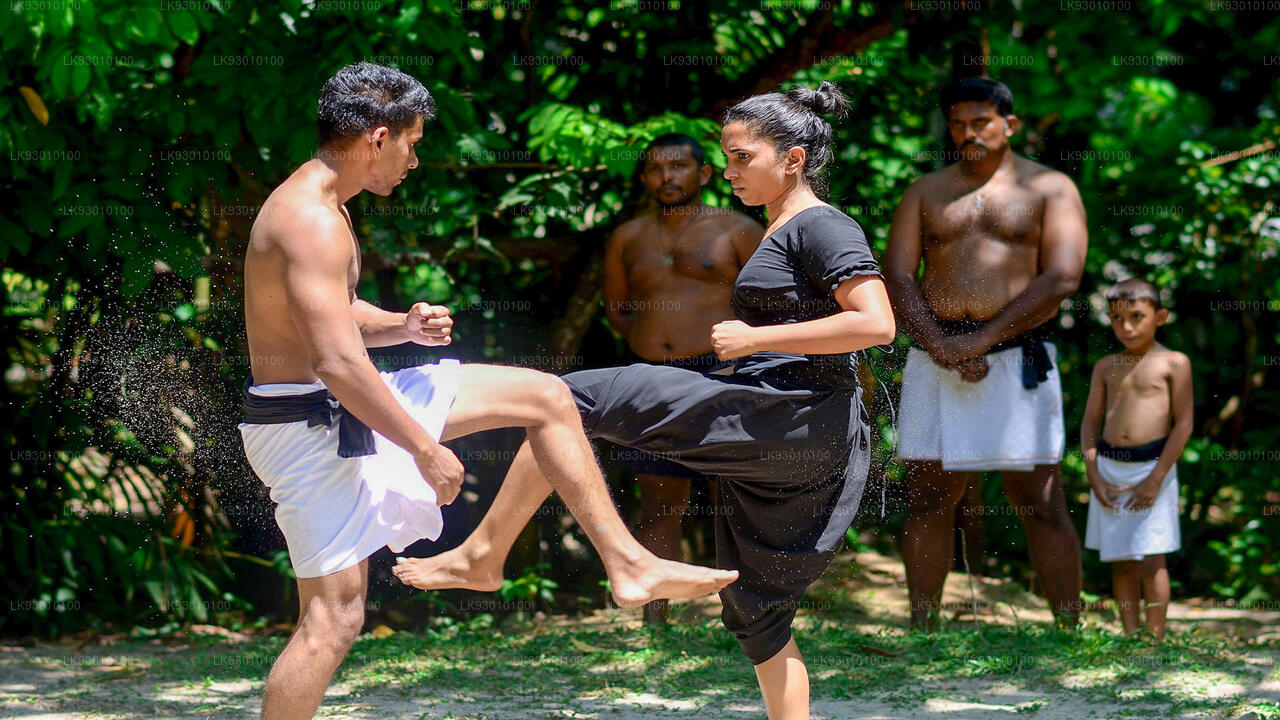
(62,171)
(148,24)
(80,77)
(155,589)
(98,237)
(184,26)
(15,237)
(73,225)
(137,276)
(60,76)
(177,122)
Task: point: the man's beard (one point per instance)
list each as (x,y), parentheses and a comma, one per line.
(684,199)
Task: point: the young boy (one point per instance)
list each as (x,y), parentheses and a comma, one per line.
(1133,510)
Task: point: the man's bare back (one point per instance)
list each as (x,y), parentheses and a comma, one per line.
(678,284)
(981,245)
(276,351)
(1139,395)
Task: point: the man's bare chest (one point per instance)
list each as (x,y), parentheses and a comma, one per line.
(1013,216)
(655,258)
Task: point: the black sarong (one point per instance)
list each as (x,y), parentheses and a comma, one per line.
(1145,452)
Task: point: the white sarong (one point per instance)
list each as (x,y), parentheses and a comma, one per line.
(992,424)
(334,511)
(1133,534)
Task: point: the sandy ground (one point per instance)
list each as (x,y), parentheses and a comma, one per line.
(63,681)
(121,693)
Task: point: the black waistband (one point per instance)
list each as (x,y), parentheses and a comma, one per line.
(355,439)
(699,363)
(1132,453)
(1036,363)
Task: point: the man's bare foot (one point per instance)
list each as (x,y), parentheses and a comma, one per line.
(449,570)
(653,578)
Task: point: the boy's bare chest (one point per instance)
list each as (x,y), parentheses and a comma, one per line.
(1138,379)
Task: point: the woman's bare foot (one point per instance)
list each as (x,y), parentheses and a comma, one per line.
(455,569)
(653,578)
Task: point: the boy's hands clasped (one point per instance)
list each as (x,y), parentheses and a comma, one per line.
(1143,494)
(1108,495)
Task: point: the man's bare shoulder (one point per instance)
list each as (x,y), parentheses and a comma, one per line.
(630,229)
(293,223)
(1044,178)
(932,182)
(739,224)
(744,233)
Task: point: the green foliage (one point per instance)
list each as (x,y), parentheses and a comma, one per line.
(532,585)
(141,139)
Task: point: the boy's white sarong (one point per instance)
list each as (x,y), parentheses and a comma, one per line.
(992,424)
(334,511)
(1133,534)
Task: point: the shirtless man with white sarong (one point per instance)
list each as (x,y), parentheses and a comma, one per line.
(1002,239)
(353,456)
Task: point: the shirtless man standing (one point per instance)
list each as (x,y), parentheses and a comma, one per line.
(353,457)
(1003,241)
(667,280)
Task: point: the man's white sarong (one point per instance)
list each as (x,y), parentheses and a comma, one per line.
(1133,534)
(992,424)
(334,511)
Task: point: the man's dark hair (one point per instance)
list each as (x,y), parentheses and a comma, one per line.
(364,96)
(978,89)
(675,140)
(1133,290)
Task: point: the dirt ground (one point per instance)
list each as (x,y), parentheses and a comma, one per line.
(62,681)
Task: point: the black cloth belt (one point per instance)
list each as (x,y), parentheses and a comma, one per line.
(1036,363)
(1132,453)
(355,439)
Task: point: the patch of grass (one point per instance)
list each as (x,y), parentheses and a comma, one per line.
(700,662)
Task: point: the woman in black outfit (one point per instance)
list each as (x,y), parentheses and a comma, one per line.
(784,430)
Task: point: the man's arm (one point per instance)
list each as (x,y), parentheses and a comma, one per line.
(378,327)
(616,291)
(1064,239)
(424,324)
(901,264)
(315,284)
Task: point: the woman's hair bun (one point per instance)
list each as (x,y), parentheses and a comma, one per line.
(828,99)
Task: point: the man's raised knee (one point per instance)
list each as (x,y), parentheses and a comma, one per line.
(556,399)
